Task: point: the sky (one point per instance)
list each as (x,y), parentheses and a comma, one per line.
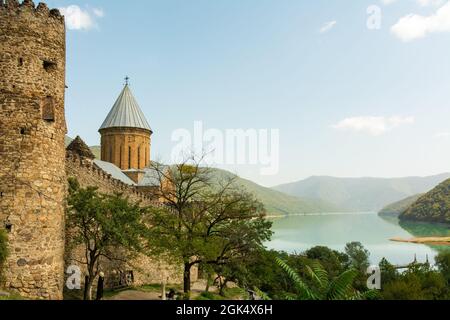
(355,88)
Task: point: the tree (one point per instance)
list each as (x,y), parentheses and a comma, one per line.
(443,264)
(205,220)
(107,226)
(419,282)
(333,261)
(262,273)
(388,272)
(359,260)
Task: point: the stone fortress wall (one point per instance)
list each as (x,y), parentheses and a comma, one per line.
(145,270)
(34,166)
(33,183)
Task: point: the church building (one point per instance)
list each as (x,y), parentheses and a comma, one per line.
(126,137)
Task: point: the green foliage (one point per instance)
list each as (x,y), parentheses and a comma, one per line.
(3,249)
(388,272)
(333,262)
(340,288)
(206,222)
(443,264)
(358,260)
(419,282)
(110,221)
(209,296)
(432,207)
(262,273)
(107,226)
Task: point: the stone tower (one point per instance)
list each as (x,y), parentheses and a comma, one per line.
(32,156)
(126,136)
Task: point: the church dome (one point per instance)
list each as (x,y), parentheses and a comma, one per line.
(126,113)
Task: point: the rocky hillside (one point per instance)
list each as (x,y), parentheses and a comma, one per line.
(432,207)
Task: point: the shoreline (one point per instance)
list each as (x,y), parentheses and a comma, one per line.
(272,216)
(438,241)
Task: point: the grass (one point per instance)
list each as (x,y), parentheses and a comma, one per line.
(229,294)
(12,297)
(150,288)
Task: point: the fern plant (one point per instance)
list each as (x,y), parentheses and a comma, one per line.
(340,288)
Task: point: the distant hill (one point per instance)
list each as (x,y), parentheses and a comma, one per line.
(397,208)
(67,140)
(96,150)
(276,203)
(432,207)
(361,194)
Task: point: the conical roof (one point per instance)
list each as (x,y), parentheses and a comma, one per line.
(126,113)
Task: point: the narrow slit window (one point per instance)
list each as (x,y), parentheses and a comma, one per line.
(129,157)
(120,161)
(48,109)
(20,62)
(139,157)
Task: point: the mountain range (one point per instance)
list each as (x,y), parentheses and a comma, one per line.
(329,194)
(397,208)
(276,203)
(361,194)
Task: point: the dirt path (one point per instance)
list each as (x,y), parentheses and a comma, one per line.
(136,295)
(142,295)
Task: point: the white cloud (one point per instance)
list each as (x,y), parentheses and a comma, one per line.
(388,2)
(427,3)
(328,26)
(422,3)
(442,135)
(98,12)
(79,19)
(414,26)
(373,125)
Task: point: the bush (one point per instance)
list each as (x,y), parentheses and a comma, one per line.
(3,249)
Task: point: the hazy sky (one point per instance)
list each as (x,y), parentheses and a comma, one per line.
(348,100)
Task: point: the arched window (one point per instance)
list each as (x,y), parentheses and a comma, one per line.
(139,157)
(120,160)
(129,157)
(48,109)
(110,154)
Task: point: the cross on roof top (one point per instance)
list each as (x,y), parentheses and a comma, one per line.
(127,80)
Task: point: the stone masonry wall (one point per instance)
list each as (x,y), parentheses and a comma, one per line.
(145,270)
(32,154)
